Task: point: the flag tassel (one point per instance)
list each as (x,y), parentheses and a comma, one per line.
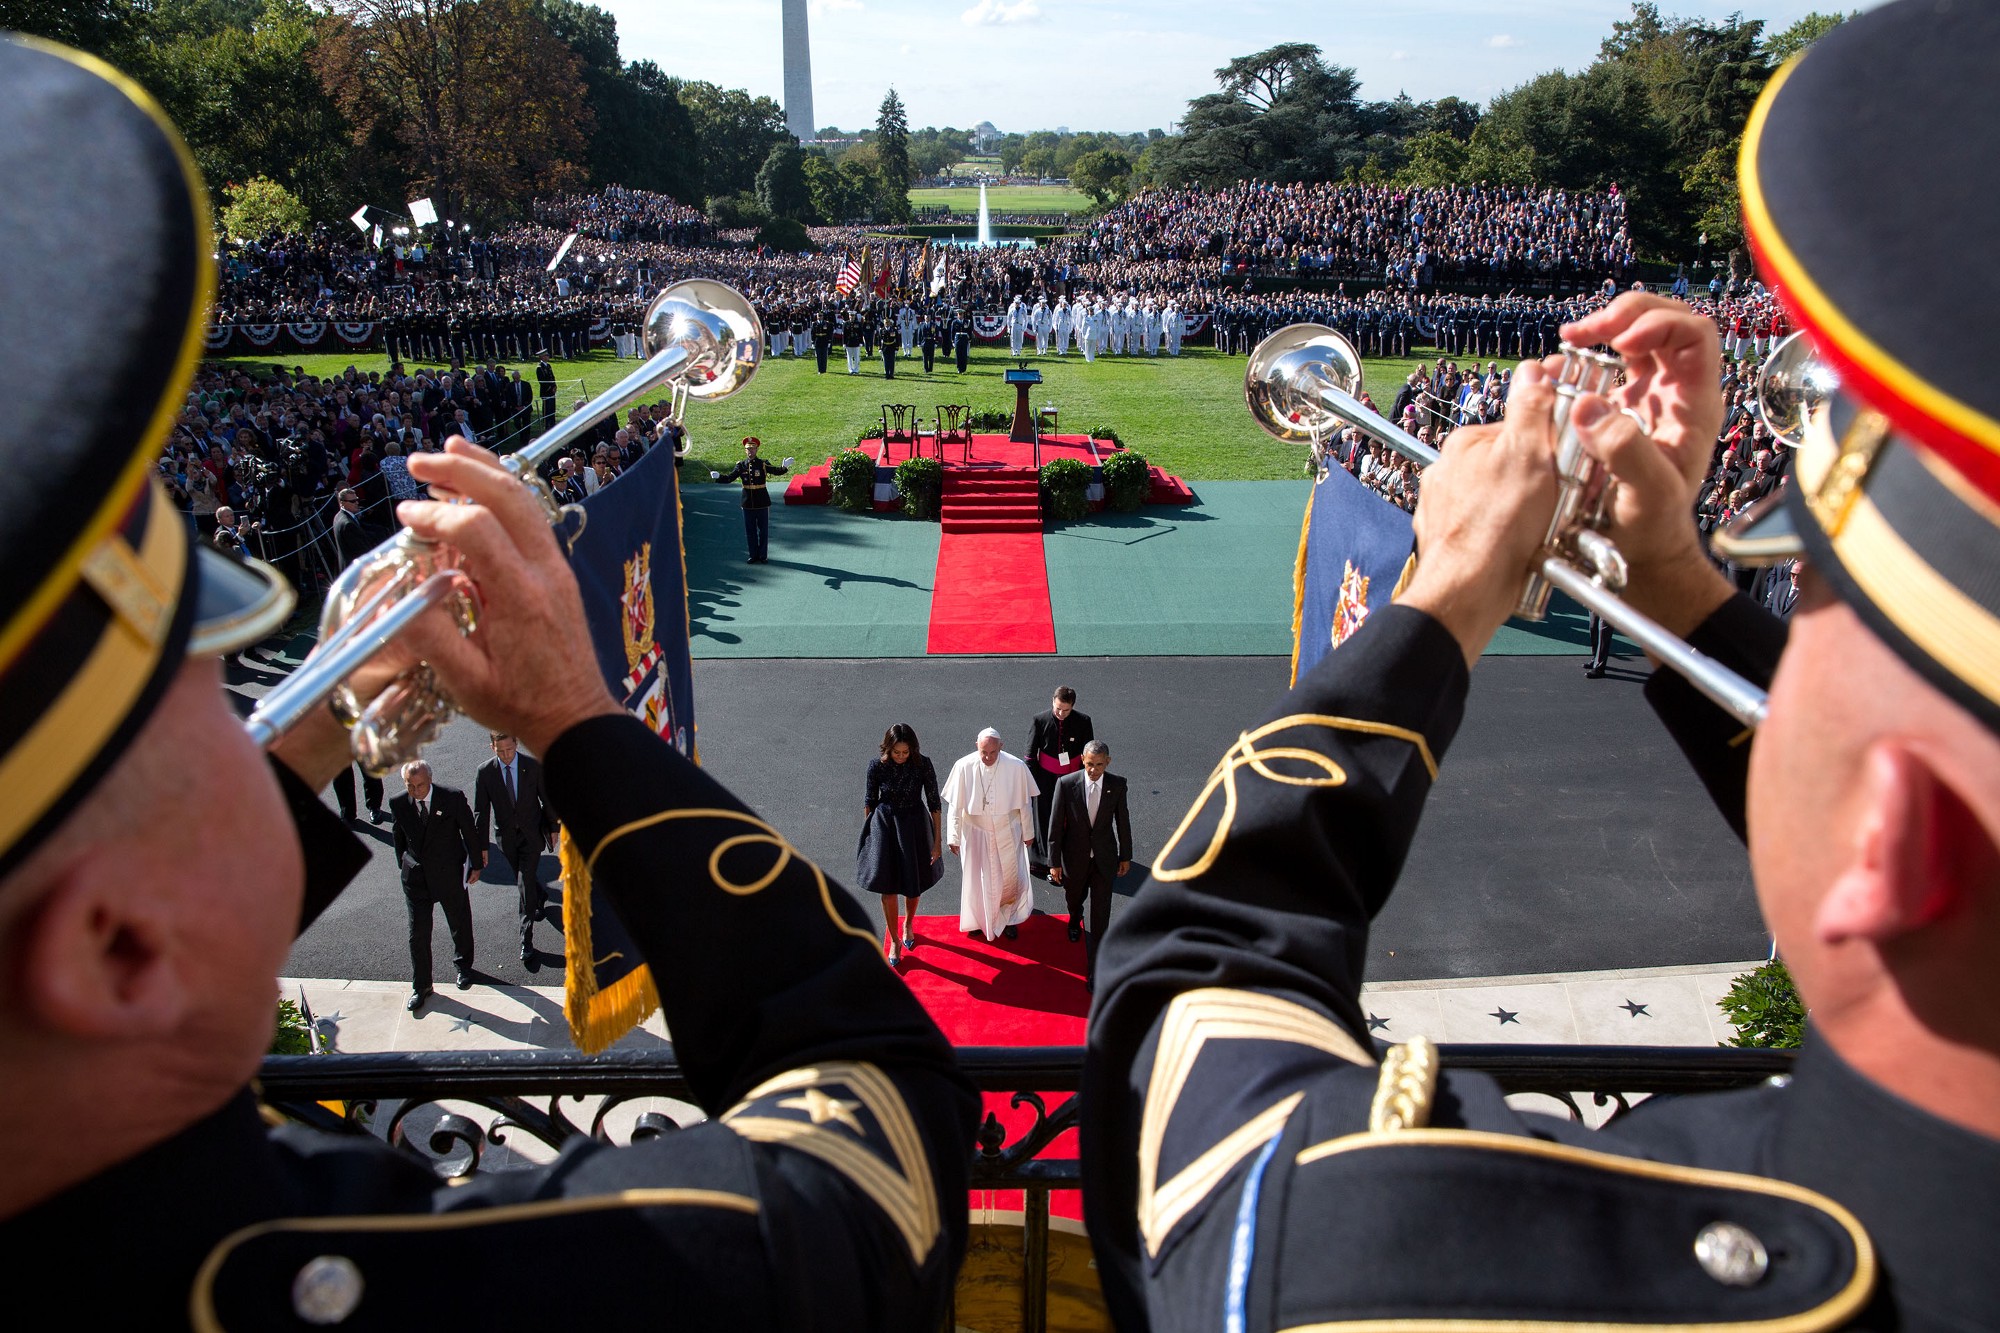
(597,1017)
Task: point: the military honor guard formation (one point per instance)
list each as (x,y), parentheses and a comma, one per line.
(1252,1156)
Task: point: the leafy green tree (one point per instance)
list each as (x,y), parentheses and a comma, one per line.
(1281,114)
(781,182)
(259,206)
(736,132)
(892,154)
(1104,174)
(486,105)
(1435,158)
(1011,148)
(827,189)
(1802,34)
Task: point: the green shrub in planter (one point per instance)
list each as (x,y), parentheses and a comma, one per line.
(853,476)
(920,481)
(1765,1008)
(1105,433)
(1125,482)
(1064,485)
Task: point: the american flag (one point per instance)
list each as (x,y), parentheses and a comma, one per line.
(850,274)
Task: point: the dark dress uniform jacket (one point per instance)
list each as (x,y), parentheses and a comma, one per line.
(755,474)
(1253,1161)
(826,1191)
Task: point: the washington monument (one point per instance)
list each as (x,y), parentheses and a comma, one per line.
(798,73)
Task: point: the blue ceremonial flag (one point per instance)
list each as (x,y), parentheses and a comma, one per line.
(1355,549)
(629,566)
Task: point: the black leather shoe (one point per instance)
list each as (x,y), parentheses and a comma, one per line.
(531,960)
(416,1000)
(1013,932)
(1593,672)
(464,979)
(1075,932)
(377,815)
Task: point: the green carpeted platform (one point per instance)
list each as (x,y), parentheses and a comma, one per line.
(1206,579)
(838,584)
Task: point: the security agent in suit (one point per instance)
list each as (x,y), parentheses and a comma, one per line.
(509,805)
(1090,845)
(155,868)
(353,536)
(545,384)
(439,852)
(1251,1158)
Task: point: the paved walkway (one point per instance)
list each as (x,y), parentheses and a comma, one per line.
(1649,1006)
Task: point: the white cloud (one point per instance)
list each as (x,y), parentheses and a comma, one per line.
(987,12)
(904,50)
(819,7)
(1399,55)
(1503,40)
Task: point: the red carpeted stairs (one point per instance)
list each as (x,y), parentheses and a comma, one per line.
(999,499)
(811,487)
(1166,489)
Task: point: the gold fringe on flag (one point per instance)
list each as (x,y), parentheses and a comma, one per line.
(1299,582)
(596,1017)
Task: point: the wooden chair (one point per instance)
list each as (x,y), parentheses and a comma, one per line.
(901,425)
(954,426)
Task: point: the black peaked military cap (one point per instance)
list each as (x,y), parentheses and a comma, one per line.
(106,275)
(1869,194)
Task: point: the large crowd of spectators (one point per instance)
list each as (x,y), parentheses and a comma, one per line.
(1196,248)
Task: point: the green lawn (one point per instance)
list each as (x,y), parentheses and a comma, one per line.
(1186,415)
(1005,199)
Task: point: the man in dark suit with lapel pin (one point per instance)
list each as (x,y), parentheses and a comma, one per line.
(507,800)
(1090,845)
(439,852)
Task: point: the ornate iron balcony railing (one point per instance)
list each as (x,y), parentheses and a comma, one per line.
(550,1097)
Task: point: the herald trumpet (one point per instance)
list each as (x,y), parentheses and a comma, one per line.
(1792,385)
(702,339)
(1301,384)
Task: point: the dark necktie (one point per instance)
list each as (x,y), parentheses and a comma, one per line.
(509,771)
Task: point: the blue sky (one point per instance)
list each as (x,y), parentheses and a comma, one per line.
(1120,65)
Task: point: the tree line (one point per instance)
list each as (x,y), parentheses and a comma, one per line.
(296,109)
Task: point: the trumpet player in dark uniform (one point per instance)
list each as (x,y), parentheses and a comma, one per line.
(155,866)
(755,473)
(1252,1159)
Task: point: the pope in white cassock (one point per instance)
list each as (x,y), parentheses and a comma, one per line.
(989,826)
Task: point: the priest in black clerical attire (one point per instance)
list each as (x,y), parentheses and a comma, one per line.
(1055,747)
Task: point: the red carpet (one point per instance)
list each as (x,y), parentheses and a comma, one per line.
(991,594)
(1021,992)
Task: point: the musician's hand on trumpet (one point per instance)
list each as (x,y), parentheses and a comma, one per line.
(1481,514)
(530,670)
(319,747)
(1656,438)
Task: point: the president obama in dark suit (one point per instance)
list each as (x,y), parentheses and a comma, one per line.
(1090,845)
(438,851)
(507,791)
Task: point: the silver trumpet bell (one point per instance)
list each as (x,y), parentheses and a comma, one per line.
(1793,385)
(702,339)
(1301,384)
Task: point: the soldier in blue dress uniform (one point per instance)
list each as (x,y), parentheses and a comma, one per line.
(155,866)
(1253,1160)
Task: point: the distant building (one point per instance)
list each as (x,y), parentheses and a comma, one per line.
(1062,129)
(798,72)
(984,136)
